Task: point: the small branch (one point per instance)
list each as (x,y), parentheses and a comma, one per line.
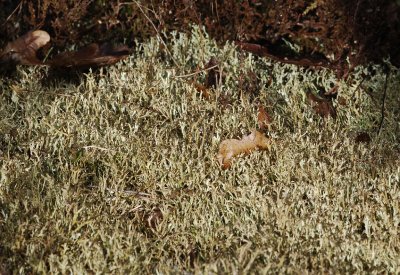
(154,27)
(98,148)
(14,11)
(383,103)
(196,72)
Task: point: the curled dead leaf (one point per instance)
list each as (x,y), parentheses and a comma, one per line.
(23,49)
(230,148)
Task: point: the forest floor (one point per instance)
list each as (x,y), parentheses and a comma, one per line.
(115,170)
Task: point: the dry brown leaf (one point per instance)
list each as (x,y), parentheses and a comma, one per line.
(263,118)
(91,55)
(230,148)
(23,49)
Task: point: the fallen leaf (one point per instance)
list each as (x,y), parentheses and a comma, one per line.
(277,53)
(230,148)
(91,55)
(263,118)
(323,107)
(23,49)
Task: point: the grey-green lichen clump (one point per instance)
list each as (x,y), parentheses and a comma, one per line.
(117,173)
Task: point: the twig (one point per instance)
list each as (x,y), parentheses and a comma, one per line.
(18,7)
(196,72)
(155,28)
(356,12)
(98,148)
(383,103)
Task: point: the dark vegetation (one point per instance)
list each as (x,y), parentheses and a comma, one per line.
(337,34)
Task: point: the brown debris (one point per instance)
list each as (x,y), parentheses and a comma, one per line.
(213,78)
(203,90)
(305,61)
(263,118)
(322,106)
(23,51)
